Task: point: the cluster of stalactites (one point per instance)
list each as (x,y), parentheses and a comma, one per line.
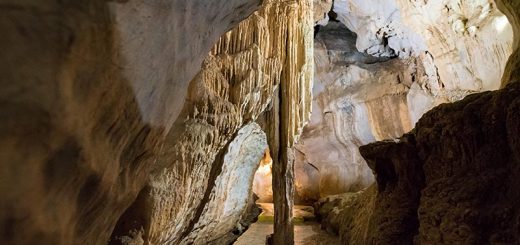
(280,49)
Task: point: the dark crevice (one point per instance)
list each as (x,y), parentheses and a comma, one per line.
(133,219)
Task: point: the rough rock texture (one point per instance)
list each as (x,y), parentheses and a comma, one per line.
(469,41)
(367,95)
(237,83)
(291,108)
(451,180)
(89,90)
(229,198)
(96,118)
(379,27)
(358,98)
(511,9)
(320,9)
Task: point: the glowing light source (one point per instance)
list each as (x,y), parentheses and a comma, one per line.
(262,185)
(501,23)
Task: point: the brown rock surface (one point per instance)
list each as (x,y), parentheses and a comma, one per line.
(511,9)
(89,89)
(238,81)
(96,118)
(468,153)
(452,180)
(436,51)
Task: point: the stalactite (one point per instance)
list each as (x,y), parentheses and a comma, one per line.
(266,59)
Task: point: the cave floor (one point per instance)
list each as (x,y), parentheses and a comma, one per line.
(306,230)
(307,233)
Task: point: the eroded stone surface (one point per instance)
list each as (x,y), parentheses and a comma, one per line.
(413,55)
(229,198)
(265,57)
(470,41)
(89,90)
(358,98)
(99,127)
(451,180)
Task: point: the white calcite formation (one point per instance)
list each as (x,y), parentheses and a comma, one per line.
(265,58)
(469,42)
(379,28)
(228,200)
(449,181)
(408,57)
(358,98)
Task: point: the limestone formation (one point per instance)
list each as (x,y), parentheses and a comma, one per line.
(100,132)
(251,65)
(469,42)
(512,70)
(143,122)
(379,27)
(89,90)
(406,57)
(229,198)
(320,9)
(358,98)
(451,180)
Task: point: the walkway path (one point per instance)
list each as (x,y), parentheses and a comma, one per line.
(305,232)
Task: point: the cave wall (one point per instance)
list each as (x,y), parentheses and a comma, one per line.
(404,58)
(88,92)
(510,8)
(358,98)
(102,130)
(450,180)
(229,199)
(244,71)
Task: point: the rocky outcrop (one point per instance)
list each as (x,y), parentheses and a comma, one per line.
(451,180)
(512,70)
(467,39)
(100,129)
(470,41)
(320,9)
(379,27)
(228,201)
